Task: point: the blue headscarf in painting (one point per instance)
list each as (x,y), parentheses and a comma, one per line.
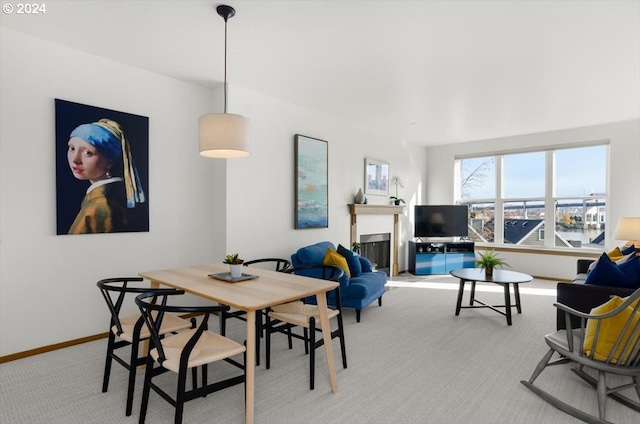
(102,139)
(108,138)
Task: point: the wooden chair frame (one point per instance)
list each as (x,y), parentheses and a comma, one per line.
(569,345)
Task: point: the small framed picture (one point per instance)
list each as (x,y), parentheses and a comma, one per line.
(376,177)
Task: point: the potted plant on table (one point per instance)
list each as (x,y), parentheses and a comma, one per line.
(488,261)
(235,265)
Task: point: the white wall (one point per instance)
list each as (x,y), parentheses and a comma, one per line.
(623,186)
(199,208)
(47,282)
(261,187)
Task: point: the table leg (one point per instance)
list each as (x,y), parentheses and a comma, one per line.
(250,366)
(460,291)
(473,293)
(507,302)
(326,336)
(516,290)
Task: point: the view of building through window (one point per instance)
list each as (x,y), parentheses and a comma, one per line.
(516,185)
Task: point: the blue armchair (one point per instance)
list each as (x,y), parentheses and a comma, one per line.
(359,289)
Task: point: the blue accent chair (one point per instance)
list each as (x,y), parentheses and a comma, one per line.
(356,292)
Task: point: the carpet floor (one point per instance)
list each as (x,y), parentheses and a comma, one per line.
(410,361)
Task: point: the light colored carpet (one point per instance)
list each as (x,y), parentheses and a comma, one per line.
(410,361)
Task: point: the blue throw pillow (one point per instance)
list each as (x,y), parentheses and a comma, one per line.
(607,273)
(366,264)
(355,269)
(626,250)
(631,268)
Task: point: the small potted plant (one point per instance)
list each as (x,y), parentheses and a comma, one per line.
(488,261)
(396,200)
(355,246)
(235,265)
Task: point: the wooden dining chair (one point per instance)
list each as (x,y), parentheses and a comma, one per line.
(276,264)
(130,330)
(302,313)
(184,351)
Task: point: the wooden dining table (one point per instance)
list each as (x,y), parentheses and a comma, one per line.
(269,289)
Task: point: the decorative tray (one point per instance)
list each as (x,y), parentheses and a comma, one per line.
(226,276)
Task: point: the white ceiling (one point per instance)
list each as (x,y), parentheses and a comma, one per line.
(430,72)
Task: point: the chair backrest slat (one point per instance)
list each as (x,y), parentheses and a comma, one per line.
(118,288)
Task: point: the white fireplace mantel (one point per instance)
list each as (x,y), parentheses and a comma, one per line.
(360,209)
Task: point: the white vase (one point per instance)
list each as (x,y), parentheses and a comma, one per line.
(359,198)
(236,270)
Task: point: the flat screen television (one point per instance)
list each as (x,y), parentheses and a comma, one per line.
(441,221)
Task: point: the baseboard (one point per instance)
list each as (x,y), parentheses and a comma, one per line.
(45,349)
(62,345)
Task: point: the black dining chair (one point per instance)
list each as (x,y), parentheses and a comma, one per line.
(276,264)
(186,350)
(283,318)
(130,330)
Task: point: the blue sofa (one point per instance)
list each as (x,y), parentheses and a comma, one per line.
(357,292)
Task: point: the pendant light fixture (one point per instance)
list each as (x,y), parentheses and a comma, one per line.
(224,135)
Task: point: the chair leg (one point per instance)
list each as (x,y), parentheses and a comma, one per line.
(380,301)
(133,365)
(343,348)
(602,394)
(205,372)
(222,318)
(182,381)
(541,365)
(258,335)
(357,315)
(267,341)
(108,361)
(146,388)
(312,351)
(305,333)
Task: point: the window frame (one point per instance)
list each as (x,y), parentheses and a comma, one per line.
(549,199)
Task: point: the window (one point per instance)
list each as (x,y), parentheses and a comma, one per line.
(522,193)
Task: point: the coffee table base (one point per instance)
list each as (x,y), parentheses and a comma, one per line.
(507,299)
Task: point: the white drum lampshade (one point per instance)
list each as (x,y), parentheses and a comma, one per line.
(628,228)
(224,135)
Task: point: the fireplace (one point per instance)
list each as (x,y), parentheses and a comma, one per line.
(377,248)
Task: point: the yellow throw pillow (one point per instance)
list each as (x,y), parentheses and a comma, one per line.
(610,329)
(334,258)
(615,254)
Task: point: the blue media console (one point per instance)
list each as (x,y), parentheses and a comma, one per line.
(440,258)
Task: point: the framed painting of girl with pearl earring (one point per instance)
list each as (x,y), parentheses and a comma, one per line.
(102,170)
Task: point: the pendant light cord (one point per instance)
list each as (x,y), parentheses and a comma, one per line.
(225,65)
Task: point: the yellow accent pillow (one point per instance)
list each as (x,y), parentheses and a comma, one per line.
(615,254)
(334,258)
(610,329)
